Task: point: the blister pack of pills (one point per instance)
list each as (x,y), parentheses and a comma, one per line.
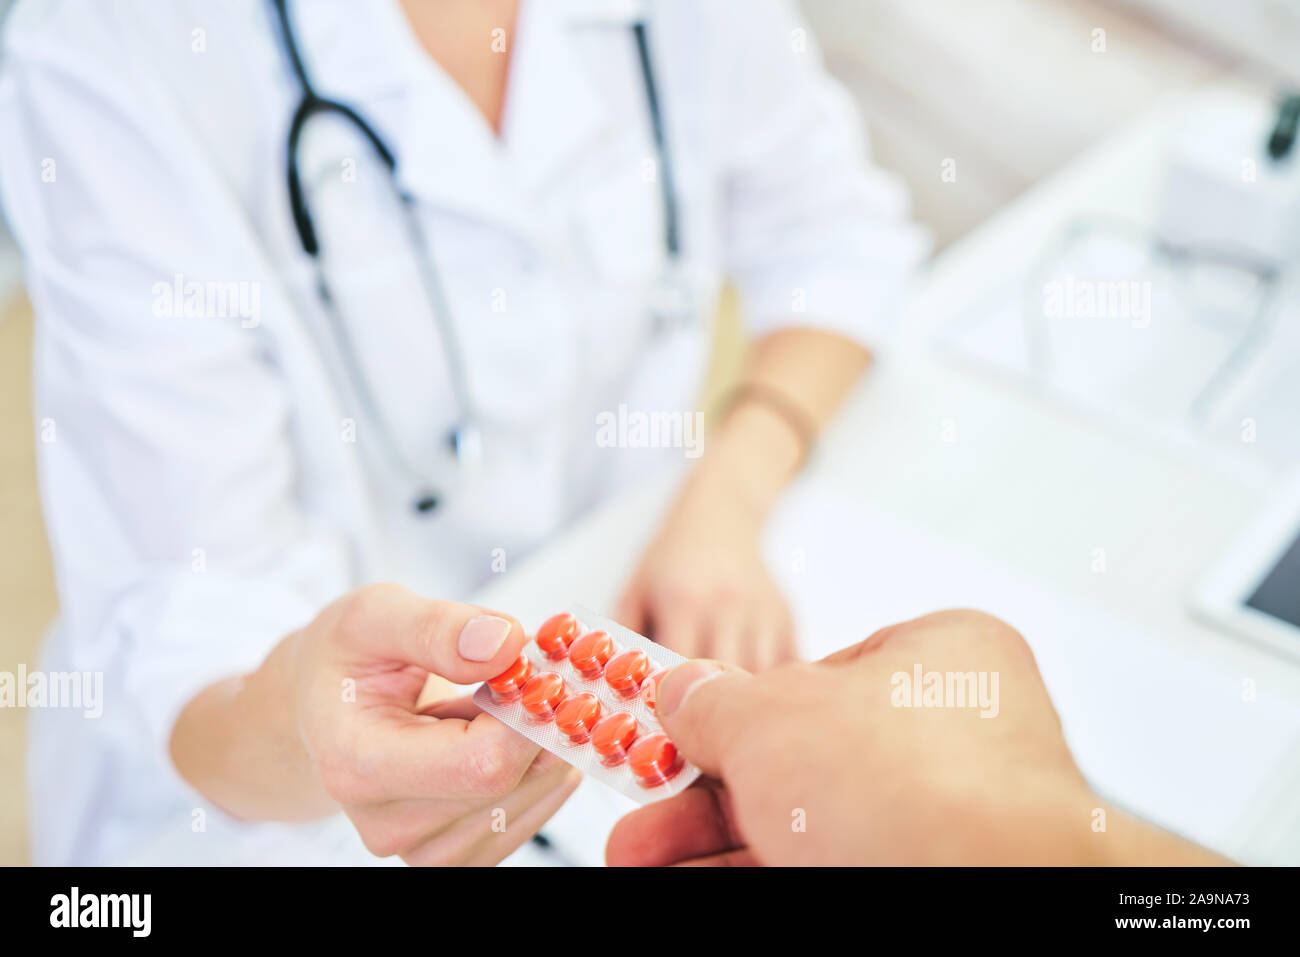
(584,689)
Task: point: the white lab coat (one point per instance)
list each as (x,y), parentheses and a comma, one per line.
(207,482)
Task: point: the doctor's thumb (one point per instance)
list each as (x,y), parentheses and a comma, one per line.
(462,643)
(466,644)
(705,706)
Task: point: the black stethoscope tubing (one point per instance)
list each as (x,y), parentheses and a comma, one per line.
(465,438)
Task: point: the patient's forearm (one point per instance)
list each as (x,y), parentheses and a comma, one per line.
(1132,842)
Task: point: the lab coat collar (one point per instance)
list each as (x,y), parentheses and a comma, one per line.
(601,12)
(346,56)
(447,153)
(554,110)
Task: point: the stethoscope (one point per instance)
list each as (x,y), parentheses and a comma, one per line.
(671,304)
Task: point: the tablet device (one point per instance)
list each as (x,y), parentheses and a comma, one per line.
(1255,590)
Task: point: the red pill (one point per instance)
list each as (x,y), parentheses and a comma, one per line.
(654,760)
(505,686)
(651,687)
(576,715)
(556,634)
(612,736)
(590,652)
(626,670)
(542,694)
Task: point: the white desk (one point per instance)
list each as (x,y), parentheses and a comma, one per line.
(1025,493)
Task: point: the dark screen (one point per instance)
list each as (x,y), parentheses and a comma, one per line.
(1279,594)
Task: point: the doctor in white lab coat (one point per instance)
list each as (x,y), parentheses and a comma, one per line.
(228,463)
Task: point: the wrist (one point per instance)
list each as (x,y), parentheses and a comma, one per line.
(1036,819)
(1091,833)
(238,743)
(275,693)
(752,457)
(1129,841)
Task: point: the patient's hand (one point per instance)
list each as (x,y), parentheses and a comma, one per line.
(821,764)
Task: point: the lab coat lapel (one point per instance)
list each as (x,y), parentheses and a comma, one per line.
(449,156)
(446,153)
(554,109)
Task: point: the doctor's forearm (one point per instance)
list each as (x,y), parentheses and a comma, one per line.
(702,587)
(758,447)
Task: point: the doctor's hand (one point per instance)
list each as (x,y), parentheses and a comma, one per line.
(815,764)
(701,587)
(334,719)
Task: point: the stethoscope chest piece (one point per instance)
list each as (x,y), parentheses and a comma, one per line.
(674,302)
(466,441)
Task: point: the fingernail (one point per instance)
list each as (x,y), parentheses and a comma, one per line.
(680,683)
(482,637)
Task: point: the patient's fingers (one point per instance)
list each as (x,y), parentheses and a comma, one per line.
(738,858)
(695,824)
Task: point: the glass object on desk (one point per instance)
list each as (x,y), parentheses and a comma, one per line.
(1117,316)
